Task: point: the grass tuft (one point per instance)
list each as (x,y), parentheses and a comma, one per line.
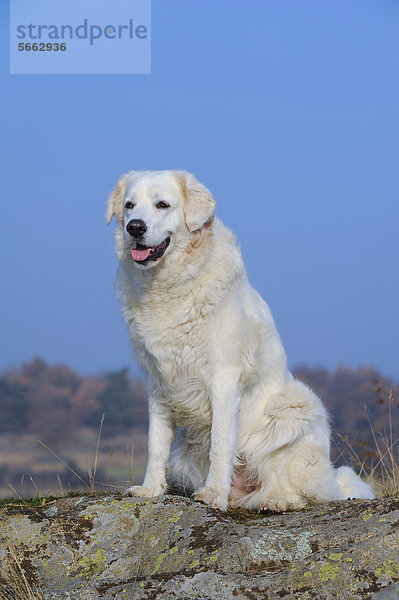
(15,585)
(379,462)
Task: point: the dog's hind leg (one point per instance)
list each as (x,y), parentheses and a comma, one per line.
(288,452)
(290,479)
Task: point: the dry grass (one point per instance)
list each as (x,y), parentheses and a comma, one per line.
(384,472)
(15,585)
(380,464)
(94,485)
(31,466)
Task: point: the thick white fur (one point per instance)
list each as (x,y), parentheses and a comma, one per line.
(246,433)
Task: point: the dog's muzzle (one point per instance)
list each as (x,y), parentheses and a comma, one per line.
(144,254)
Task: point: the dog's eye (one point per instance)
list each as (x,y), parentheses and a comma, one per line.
(129,204)
(162,204)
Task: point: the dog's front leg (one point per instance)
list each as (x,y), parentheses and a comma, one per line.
(160,435)
(225,397)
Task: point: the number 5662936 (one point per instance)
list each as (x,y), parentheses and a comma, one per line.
(42,47)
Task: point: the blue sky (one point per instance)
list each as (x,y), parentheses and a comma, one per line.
(288,110)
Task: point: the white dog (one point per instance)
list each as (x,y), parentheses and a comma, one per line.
(247,434)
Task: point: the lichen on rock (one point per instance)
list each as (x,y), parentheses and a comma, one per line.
(112,547)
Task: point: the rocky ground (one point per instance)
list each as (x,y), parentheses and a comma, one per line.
(112,547)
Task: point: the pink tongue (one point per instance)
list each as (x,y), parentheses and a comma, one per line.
(140,255)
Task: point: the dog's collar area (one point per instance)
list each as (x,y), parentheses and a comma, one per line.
(144,254)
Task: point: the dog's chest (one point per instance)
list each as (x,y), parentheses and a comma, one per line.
(172,344)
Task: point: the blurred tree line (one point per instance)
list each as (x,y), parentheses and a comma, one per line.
(55,401)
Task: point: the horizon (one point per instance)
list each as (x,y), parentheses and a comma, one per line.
(140,375)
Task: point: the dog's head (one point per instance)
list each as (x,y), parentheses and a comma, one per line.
(156,209)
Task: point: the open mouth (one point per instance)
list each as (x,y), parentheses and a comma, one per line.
(143,254)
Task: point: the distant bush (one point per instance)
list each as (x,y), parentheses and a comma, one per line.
(13,404)
(54,401)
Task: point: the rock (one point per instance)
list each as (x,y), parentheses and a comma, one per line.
(389,593)
(113,547)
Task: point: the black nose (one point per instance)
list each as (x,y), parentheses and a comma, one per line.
(136,227)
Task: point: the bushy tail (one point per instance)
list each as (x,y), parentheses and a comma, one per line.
(351,485)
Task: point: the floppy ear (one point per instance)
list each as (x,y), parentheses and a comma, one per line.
(200,205)
(115,202)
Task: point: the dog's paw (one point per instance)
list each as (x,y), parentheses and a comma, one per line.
(211,497)
(142,491)
(284,503)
